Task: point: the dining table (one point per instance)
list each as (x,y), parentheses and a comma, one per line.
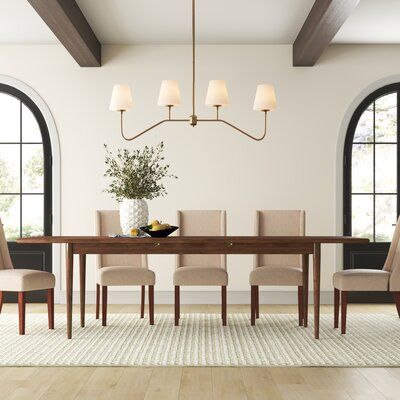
(84,245)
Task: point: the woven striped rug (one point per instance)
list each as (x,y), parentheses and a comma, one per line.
(276,340)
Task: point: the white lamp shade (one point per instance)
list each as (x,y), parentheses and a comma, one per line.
(121,98)
(169,94)
(265,98)
(217,94)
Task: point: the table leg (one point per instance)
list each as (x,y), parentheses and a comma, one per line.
(305,259)
(69,281)
(317,283)
(82,288)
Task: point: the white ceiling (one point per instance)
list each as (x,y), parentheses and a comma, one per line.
(20,24)
(373,21)
(218,21)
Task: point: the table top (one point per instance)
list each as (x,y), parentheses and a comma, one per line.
(174,240)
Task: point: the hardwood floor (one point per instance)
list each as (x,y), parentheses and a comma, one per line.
(77,383)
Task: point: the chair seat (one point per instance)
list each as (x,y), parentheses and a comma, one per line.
(276,276)
(200,276)
(125,275)
(25,280)
(362,280)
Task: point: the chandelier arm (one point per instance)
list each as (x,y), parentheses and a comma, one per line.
(148,129)
(240,130)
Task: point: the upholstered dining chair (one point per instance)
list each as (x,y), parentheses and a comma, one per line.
(22,281)
(120,269)
(201,269)
(369,280)
(280,269)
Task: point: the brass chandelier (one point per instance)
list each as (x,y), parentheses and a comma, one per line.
(217,96)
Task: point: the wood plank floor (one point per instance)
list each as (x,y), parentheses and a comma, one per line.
(218,383)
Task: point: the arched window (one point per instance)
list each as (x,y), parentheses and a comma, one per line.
(25,176)
(371,184)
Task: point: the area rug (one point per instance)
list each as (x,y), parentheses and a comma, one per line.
(372,340)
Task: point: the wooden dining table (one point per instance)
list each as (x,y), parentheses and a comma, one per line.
(83,245)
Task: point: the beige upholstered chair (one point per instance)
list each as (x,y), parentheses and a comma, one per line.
(279,269)
(120,269)
(369,280)
(22,281)
(201,269)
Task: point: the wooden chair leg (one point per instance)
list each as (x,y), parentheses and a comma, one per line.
(151,304)
(336,308)
(253,305)
(21,312)
(1,301)
(305,265)
(142,300)
(257,301)
(223,305)
(97,301)
(396,300)
(104,305)
(344,311)
(177,305)
(300,301)
(50,307)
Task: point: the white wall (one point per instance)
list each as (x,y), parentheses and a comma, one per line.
(294,168)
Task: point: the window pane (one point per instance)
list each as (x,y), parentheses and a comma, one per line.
(362,168)
(32,215)
(386,118)
(10,216)
(386,168)
(32,168)
(385,217)
(9,118)
(30,127)
(9,168)
(365,127)
(362,216)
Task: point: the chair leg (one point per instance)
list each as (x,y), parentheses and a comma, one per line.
(50,307)
(253,305)
(336,308)
(21,312)
(223,305)
(177,305)
(344,311)
(396,300)
(300,301)
(151,304)
(97,301)
(257,301)
(142,300)
(305,262)
(1,301)
(104,305)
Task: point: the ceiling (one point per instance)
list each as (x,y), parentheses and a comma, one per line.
(218,22)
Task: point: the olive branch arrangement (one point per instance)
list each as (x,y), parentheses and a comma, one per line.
(137,174)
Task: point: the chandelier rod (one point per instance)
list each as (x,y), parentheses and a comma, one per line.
(193,57)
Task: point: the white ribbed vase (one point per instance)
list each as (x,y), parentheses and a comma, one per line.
(133,213)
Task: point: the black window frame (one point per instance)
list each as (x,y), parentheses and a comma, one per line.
(47,156)
(347,156)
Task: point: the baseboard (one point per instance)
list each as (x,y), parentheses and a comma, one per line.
(200,297)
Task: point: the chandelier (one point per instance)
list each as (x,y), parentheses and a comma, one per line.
(217,97)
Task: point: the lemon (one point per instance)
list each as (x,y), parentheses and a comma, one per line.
(134,232)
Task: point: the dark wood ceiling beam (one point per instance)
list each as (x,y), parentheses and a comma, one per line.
(66,20)
(323,22)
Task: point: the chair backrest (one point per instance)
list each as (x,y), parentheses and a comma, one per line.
(393,258)
(279,223)
(5,259)
(201,223)
(107,223)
